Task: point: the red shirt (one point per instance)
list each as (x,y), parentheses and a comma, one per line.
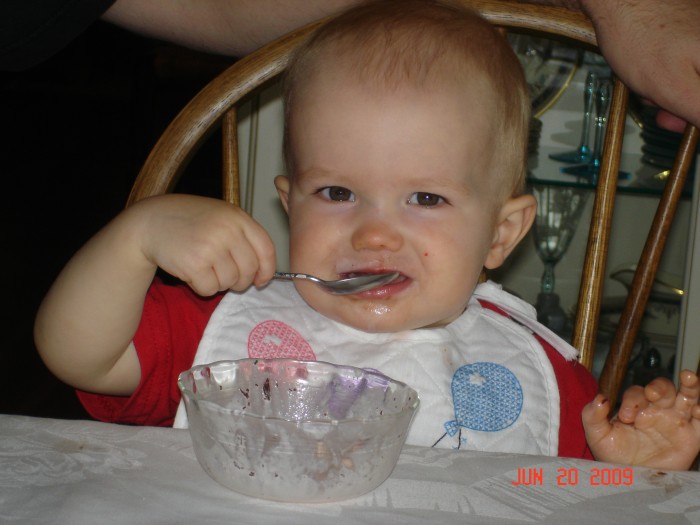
(173,321)
(172,324)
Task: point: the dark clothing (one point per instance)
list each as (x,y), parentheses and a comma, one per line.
(31,31)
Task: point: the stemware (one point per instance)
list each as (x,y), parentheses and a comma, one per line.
(583,152)
(558,212)
(590,168)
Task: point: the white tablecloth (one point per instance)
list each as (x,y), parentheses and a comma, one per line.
(84,472)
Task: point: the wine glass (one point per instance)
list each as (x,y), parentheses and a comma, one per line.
(583,152)
(590,169)
(559,209)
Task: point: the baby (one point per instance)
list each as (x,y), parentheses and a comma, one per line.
(405,143)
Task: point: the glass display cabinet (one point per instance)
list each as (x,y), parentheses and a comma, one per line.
(564,153)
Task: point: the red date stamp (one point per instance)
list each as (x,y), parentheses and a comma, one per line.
(571,477)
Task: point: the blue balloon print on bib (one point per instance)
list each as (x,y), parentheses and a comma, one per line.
(486,396)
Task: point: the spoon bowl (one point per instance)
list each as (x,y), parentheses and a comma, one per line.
(346,286)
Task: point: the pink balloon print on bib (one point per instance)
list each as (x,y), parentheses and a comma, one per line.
(275,339)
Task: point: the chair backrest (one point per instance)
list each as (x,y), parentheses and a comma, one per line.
(215,106)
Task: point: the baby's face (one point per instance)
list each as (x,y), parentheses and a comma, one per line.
(390,182)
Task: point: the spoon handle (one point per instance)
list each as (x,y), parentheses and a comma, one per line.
(290,276)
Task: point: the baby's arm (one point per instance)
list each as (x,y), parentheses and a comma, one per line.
(85,325)
(655,427)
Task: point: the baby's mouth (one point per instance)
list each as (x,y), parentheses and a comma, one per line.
(346,275)
(398,279)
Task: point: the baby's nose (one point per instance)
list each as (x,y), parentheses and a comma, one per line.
(376,235)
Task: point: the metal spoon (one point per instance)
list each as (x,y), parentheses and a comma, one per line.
(345,286)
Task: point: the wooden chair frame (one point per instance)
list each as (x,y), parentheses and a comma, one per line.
(215,106)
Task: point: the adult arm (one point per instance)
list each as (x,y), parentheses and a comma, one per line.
(653,46)
(227,27)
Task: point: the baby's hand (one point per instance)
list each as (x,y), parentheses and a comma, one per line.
(655,427)
(207,243)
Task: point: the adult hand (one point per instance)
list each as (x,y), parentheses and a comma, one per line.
(654,47)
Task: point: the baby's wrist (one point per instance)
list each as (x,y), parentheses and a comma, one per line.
(134,230)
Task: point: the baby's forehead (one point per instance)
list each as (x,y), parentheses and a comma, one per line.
(388,71)
(474,89)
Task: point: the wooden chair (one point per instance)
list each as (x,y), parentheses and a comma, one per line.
(216,105)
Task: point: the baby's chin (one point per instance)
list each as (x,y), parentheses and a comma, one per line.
(383,319)
(380,315)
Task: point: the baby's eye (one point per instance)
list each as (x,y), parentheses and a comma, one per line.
(337,193)
(426,199)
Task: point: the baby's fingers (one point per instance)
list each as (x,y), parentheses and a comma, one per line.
(662,392)
(242,265)
(204,282)
(215,269)
(689,394)
(595,418)
(639,405)
(251,253)
(229,275)
(266,259)
(633,401)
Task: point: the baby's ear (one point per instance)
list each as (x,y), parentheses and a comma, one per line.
(282,185)
(514,221)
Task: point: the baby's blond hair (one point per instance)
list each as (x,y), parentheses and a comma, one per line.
(389,44)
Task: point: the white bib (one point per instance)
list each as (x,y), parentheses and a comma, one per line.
(484,382)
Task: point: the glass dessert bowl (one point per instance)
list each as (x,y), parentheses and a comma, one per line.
(296,431)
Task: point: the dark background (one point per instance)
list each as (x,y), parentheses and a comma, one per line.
(77,128)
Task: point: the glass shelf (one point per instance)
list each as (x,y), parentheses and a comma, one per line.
(636,178)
